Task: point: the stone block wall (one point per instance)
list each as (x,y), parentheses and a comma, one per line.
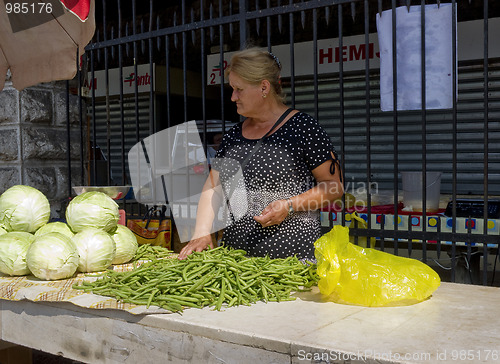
(33,141)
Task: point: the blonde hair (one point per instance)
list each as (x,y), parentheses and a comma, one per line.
(255,65)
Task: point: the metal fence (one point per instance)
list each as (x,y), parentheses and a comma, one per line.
(153,65)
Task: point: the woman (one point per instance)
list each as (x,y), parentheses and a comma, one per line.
(292,172)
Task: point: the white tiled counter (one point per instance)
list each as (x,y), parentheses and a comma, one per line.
(459,323)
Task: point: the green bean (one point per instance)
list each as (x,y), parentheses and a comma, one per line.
(282,299)
(239,285)
(200,282)
(221,297)
(151,296)
(184,271)
(184,303)
(253,276)
(149,252)
(230,280)
(273,289)
(248,285)
(171,306)
(198,271)
(264,291)
(249,289)
(219,277)
(232,302)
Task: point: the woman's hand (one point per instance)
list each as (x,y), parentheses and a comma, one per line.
(196,245)
(273,214)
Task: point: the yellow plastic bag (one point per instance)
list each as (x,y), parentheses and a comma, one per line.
(354,275)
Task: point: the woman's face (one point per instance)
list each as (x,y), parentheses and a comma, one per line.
(248,97)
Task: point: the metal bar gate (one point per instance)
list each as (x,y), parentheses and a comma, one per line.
(154,65)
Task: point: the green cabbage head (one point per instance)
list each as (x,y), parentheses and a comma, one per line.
(92,209)
(96,249)
(52,256)
(23,208)
(55,227)
(126,245)
(13,249)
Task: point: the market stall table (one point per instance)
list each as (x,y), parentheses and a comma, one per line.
(459,323)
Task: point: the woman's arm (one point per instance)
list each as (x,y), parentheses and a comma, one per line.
(328,189)
(208,206)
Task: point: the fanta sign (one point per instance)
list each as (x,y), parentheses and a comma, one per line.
(140,80)
(130,79)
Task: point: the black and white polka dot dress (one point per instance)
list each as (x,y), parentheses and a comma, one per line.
(280,169)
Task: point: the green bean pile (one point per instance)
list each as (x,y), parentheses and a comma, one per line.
(151,252)
(214,278)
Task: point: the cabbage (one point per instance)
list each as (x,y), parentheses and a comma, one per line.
(20,235)
(55,227)
(126,244)
(2,231)
(96,249)
(92,209)
(23,208)
(13,249)
(52,256)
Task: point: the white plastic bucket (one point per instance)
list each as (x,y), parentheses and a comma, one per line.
(412,190)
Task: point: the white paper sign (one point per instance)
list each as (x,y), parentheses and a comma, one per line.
(438,58)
